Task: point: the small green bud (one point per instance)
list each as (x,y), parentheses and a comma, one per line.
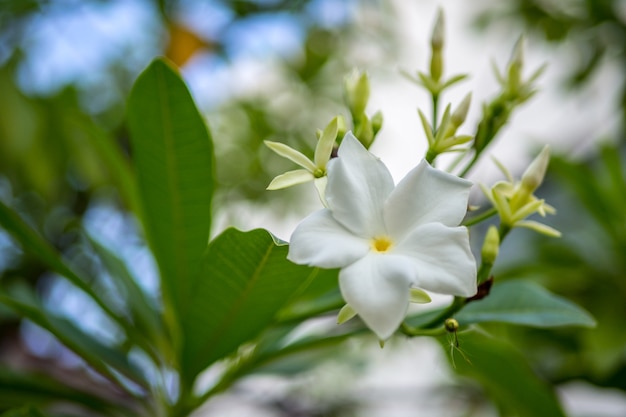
(342,128)
(491,246)
(516,64)
(438,36)
(533,176)
(460,113)
(377,122)
(436,43)
(357,90)
(451,325)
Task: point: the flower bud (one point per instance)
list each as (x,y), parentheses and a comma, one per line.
(377,122)
(460,113)
(357,90)
(436,43)
(516,63)
(491,246)
(533,176)
(451,325)
(342,128)
(437,38)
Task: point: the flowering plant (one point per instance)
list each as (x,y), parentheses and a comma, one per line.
(232,305)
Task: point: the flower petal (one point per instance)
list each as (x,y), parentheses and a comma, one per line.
(290,178)
(291,154)
(358,185)
(319,240)
(426,195)
(377,288)
(442,258)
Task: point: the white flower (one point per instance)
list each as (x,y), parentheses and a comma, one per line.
(387,239)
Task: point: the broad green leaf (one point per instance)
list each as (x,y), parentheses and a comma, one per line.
(100,357)
(17,389)
(173,158)
(505,375)
(526,303)
(246,281)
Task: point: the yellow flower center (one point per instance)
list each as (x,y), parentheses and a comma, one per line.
(381,244)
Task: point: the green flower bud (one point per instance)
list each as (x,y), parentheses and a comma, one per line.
(460,113)
(377,122)
(491,246)
(533,176)
(516,63)
(451,325)
(436,43)
(438,36)
(357,90)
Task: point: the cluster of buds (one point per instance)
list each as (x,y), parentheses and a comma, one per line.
(357,93)
(445,138)
(515,91)
(515,201)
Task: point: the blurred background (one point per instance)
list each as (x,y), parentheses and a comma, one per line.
(273,70)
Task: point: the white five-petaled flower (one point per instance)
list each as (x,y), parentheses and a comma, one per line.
(387,239)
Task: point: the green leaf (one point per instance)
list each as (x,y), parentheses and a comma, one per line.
(33,243)
(526,303)
(246,281)
(18,389)
(22,412)
(173,157)
(36,245)
(100,357)
(505,375)
(143,312)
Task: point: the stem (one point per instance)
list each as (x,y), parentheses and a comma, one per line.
(457,304)
(480,217)
(471,163)
(414,331)
(435,112)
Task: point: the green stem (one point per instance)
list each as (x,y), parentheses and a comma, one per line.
(435,112)
(457,304)
(480,217)
(414,331)
(470,165)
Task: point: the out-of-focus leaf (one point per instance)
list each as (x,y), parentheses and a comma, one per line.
(526,303)
(145,315)
(246,281)
(320,296)
(505,375)
(18,389)
(173,157)
(23,412)
(33,243)
(112,158)
(102,358)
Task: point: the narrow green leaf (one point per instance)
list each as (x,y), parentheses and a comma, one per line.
(17,389)
(246,281)
(143,312)
(100,357)
(526,303)
(505,375)
(33,243)
(113,159)
(22,412)
(36,245)
(173,157)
